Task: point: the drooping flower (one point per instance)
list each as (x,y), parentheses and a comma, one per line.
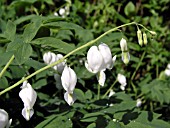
(98,60)
(111,93)
(28,96)
(122,80)
(138,102)
(69,80)
(4,119)
(124,49)
(51,57)
(139,35)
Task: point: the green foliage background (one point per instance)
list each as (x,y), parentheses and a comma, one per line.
(29,28)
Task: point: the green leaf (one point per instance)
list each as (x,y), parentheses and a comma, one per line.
(35,64)
(129,9)
(60,45)
(17,72)
(10,31)
(113,124)
(88,94)
(31,30)
(80,95)
(24,18)
(4,57)
(23,53)
(3,83)
(39,84)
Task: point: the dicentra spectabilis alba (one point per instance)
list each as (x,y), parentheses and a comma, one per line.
(124,49)
(28,96)
(111,93)
(122,80)
(51,57)
(4,119)
(138,102)
(98,60)
(69,80)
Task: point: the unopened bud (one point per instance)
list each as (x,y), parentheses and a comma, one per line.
(125,57)
(153,33)
(139,35)
(145,41)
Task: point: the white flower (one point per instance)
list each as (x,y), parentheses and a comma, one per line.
(167,72)
(60,67)
(69,80)
(98,60)
(28,96)
(107,56)
(62,11)
(4,119)
(123,45)
(124,49)
(138,102)
(51,57)
(168,66)
(101,78)
(55,14)
(111,93)
(94,60)
(122,80)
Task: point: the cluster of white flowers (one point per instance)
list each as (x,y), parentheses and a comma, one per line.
(65,78)
(98,60)
(4,119)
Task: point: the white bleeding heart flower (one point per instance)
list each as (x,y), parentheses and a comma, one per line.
(49,57)
(4,119)
(122,80)
(69,80)
(125,57)
(28,96)
(138,102)
(111,93)
(94,60)
(123,45)
(60,66)
(98,60)
(107,56)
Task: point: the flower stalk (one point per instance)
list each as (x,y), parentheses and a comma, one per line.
(67,55)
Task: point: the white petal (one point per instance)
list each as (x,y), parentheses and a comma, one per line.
(27,113)
(3,118)
(123,45)
(62,11)
(122,87)
(47,57)
(138,103)
(167,72)
(111,93)
(68,79)
(168,66)
(106,54)
(69,98)
(94,59)
(101,78)
(60,66)
(9,123)
(121,79)
(28,96)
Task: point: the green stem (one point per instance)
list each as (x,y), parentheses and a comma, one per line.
(109,89)
(6,66)
(157,71)
(98,92)
(70,53)
(140,62)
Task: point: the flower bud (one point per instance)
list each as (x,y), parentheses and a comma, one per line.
(139,35)
(123,45)
(138,102)
(28,96)
(125,57)
(4,119)
(153,33)
(145,41)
